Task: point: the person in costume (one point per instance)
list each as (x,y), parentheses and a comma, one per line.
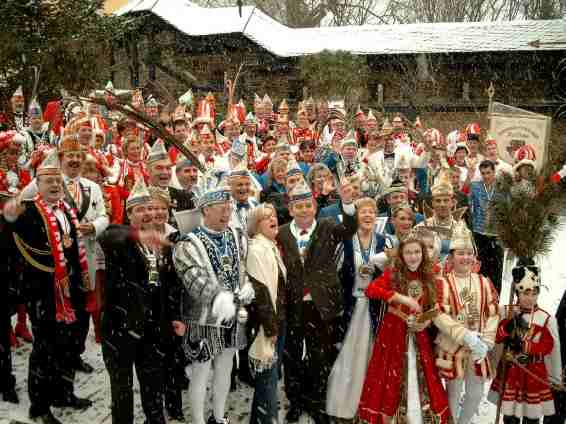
(560,396)
(362,316)
(268,275)
(348,163)
(159,168)
(12,181)
(209,261)
(250,139)
(174,363)
(402,383)
(492,154)
(531,360)
(467,325)
(314,298)
(87,199)
(55,279)
(482,194)
(36,134)
(443,221)
(136,312)
(187,174)
(17,102)
(241,189)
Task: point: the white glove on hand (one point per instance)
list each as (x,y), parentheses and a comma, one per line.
(479,353)
(246,294)
(223,307)
(29,191)
(472,339)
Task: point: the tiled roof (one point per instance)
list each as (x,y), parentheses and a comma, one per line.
(365,39)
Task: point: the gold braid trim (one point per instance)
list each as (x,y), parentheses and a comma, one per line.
(23,248)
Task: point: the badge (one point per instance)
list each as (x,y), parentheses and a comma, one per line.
(67,241)
(365,270)
(226,263)
(415,289)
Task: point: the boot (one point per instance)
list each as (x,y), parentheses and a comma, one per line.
(10,396)
(22,330)
(46,418)
(14,342)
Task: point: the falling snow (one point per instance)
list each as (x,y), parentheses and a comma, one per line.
(96,386)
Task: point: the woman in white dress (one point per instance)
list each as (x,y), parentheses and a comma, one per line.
(361,316)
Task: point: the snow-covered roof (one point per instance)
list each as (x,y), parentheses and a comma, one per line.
(283,41)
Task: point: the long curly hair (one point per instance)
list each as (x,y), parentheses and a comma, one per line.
(424,272)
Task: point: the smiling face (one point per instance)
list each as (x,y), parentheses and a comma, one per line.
(412,255)
(134,151)
(463,260)
(366,218)
(141,216)
(241,188)
(160,211)
(85,135)
(187,176)
(303,212)
(71,163)
(402,222)
(160,174)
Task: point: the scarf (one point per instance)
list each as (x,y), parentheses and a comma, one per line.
(264,264)
(63,308)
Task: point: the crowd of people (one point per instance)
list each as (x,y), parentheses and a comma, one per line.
(360,268)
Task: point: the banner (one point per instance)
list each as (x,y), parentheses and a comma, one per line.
(513,128)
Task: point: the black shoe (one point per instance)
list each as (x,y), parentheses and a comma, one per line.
(293,414)
(212,420)
(82,366)
(46,418)
(321,418)
(176,414)
(11,396)
(73,402)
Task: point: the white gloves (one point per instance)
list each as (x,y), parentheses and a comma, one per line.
(477,346)
(29,191)
(246,294)
(223,307)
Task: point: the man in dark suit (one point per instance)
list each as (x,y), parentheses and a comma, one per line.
(135,319)
(314,298)
(54,282)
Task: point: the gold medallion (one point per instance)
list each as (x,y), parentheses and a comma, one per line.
(415,289)
(67,241)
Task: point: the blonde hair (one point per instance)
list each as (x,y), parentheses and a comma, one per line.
(365,202)
(256,215)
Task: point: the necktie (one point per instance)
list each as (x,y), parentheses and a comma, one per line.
(389,155)
(73,191)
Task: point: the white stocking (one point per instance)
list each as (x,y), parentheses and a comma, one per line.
(223,363)
(197,390)
(472,397)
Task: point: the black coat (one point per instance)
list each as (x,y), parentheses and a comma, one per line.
(319,271)
(131,305)
(38,285)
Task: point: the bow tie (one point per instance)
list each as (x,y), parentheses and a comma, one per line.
(303,233)
(243,206)
(389,155)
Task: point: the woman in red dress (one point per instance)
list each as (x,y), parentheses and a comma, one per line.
(402,381)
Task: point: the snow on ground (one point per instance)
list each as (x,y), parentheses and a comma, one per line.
(97,386)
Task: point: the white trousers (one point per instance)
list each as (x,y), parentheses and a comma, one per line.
(474,391)
(222,369)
